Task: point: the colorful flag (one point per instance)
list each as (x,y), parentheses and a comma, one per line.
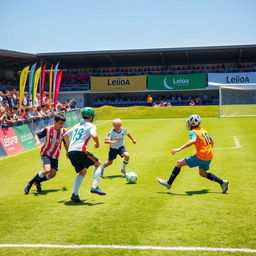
(57,89)
(31,81)
(42,85)
(36,81)
(54,79)
(50,84)
(23,80)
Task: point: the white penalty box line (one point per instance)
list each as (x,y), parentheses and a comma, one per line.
(128,247)
(236,142)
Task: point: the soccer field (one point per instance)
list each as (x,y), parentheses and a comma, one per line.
(194,213)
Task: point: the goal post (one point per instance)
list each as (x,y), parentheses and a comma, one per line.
(236,100)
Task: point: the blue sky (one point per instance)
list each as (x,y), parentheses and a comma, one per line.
(81,25)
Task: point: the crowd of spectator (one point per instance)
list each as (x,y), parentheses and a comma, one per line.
(12,114)
(79,79)
(157,101)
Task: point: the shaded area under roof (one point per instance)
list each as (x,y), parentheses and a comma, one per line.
(135,57)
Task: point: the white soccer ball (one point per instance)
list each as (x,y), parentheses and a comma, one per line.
(131,177)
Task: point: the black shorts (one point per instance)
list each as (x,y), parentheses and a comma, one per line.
(112,154)
(52,162)
(81,160)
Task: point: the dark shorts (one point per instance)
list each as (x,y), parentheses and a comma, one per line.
(81,160)
(112,154)
(52,162)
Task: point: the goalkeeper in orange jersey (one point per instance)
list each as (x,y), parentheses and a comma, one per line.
(202,159)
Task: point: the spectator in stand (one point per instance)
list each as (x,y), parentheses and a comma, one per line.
(192,103)
(3,116)
(72,103)
(38,112)
(15,114)
(149,101)
(25,99)
(1,99)
(37,100)
(12,98)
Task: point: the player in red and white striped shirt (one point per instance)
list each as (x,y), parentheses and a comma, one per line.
(50,152)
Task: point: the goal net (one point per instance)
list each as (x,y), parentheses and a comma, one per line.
(237,100)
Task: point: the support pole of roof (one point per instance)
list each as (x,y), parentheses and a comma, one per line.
(163,59)
(110,59)
(187,57)
(240,55)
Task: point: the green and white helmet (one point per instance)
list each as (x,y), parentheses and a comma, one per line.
(87,112)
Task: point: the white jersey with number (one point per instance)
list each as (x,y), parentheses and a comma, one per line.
(80,135)
(118,136)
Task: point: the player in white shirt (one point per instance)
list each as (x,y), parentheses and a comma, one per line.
(116,140)
(80,158)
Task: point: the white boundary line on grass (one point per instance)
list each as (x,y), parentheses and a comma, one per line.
(128,247)
(237,144)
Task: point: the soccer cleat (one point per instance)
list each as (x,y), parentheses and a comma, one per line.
(27,188)
(224,186)
(97,191)
(164,183)
(38,187)
(76,198)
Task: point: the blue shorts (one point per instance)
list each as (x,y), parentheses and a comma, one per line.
(193,161)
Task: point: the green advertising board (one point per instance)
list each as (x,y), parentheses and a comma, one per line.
(72,119)
(177,82)
(25,136)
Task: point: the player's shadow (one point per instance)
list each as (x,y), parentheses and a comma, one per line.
(189,193)
(197,192)
(71,203)
(46,191)
(113,177)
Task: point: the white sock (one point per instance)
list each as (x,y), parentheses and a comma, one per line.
(124,164)
(96,177)
(78,183)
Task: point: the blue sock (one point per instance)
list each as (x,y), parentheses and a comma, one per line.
(174,174)
(78,182)
(211,176)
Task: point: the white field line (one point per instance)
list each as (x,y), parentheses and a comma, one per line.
(22,152)
(236,142)
(128,247)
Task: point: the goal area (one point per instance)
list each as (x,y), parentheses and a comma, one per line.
(236,100)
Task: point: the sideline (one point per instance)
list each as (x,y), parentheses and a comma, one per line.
(129,247)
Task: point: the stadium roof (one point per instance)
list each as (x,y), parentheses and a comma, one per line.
(133,57)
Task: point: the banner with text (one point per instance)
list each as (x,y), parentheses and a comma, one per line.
(10,141)
(25,136)
(231,78)
(118,83)
(176,82)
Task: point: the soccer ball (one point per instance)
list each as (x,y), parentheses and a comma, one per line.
(131,177)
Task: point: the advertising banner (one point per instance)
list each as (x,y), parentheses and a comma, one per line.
(25,136)
(10,141)
(118,83)
(2,151)
(177,82)
(231,78)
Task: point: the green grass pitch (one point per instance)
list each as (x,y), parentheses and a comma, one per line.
(194,213)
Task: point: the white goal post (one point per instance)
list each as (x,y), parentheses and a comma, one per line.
(236,100)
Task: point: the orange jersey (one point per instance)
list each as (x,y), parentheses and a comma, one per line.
(204,144)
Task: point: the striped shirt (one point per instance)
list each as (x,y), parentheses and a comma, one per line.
(52,145)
